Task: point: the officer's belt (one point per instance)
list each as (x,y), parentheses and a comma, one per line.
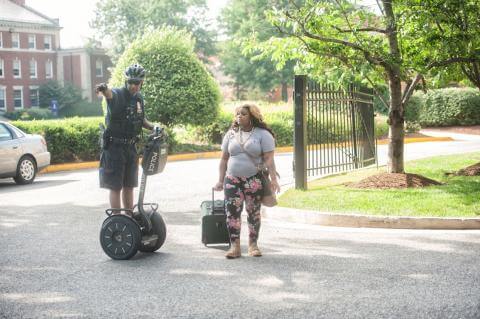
(118,140)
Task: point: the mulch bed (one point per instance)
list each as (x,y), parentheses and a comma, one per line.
(472,170)
(394,180)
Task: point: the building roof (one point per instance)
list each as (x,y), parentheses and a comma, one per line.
(12,14)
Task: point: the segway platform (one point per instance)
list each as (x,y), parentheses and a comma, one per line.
(124,231)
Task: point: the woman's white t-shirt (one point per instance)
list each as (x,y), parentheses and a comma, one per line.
(256,142)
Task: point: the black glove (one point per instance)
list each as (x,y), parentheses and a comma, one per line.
(102,87)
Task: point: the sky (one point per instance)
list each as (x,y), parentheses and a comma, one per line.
(74,18)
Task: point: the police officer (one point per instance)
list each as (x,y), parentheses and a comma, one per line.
(124,121)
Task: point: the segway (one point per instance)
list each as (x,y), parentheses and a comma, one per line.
(125,231)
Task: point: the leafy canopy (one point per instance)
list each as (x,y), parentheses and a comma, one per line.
(178,89)
(124,20)
(242,19)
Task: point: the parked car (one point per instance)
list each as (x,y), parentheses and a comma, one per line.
(22,155)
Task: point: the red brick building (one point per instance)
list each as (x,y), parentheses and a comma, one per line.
(30,55)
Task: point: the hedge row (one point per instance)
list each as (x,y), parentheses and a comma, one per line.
(77,139)
(282,125)
(444,107)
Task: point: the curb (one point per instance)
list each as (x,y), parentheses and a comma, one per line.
(358,221)
(215,154)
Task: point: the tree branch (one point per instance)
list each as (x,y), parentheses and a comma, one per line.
(361,30)
(409,90)
(453,60)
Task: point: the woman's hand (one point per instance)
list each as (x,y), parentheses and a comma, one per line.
(218,186)
(275,186)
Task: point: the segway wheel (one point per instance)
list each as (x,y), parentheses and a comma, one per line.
(120,237)
(160,230)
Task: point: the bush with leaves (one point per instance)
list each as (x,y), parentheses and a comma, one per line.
(178,88)
(29,114)
(66,95)
(451,106)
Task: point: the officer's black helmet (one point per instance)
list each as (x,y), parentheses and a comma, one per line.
(135,72)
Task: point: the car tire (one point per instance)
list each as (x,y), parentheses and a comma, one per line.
(26,170)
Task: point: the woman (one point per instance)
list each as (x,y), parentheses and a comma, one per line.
(247,145)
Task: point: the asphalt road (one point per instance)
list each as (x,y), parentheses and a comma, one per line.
(52,266)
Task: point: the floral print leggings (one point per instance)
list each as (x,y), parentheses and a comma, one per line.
(237,190)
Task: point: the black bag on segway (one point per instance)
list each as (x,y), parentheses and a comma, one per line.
(155,155)
(214,222)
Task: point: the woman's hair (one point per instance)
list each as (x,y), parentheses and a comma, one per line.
(255,115)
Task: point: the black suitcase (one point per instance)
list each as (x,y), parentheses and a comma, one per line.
(214,222)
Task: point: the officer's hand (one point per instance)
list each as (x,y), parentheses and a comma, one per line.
(102,87)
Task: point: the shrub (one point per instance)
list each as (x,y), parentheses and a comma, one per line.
(75,139)
(66,95)
(82,109)
(178,88)
(451,106)
(29,114)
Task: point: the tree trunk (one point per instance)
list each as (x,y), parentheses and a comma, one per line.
(395,116)
(396,123)
(284,92)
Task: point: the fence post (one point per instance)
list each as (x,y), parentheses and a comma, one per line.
(353,112)
(300,132)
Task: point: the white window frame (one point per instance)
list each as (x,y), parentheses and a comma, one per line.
(99,67)
(18,88)
(34,41)
(17,60)
(2,68)
(16,39)
(32,76)
(49,42)
(31,88)
(3,89)
(1,39)
(49,67)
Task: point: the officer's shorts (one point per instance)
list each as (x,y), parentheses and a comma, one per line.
(119,166)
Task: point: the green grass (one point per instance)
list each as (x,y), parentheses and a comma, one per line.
(459,196)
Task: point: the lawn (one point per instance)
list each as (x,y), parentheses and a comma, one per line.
(458,196)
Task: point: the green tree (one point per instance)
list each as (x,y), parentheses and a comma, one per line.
(241,19)
(67,95)
(444,33)
(178,89)
(340,40)
(124,20)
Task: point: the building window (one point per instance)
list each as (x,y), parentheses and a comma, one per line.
(15,40)
(47,42)
(33,69)
(32,41)
(99,68)
(2,74)
(34,96)
(17,97)
(1,39)
(48,69)
(17,68)
(2,98)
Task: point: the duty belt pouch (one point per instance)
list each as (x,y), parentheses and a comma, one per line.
(214,222)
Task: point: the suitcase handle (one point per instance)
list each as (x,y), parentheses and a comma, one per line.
(213,199)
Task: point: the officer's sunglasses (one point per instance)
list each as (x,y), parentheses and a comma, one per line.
(133,81)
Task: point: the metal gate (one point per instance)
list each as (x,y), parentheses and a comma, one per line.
(334,130)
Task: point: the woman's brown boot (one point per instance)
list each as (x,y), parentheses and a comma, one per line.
(253,250)
(234,251)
